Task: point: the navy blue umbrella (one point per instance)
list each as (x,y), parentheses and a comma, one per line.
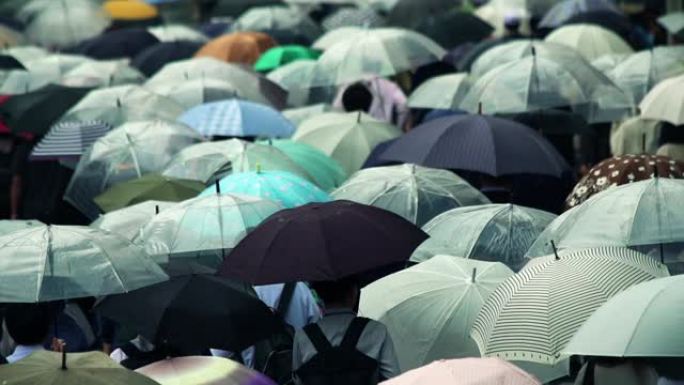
(476,143)
(10,63)
(153,58)
(123,43)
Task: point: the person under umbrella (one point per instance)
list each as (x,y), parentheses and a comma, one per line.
(28,325)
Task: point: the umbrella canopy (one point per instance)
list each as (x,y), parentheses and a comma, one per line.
(58,65)
(10,63)
(177,32)
(567,9)
(210,161)
(410,13)
(194,311)
(287,189)
(477,143)
(634,136)
(466,371)
(561,291)
(622,170)
(377,52)
(130,10)
(416,193)
(664,102)
(673,22)
(451,28)
(239,47)
(590,41)
(204,229)
(298,79)
(26,53)
(117,44)
(348,138)
(8,226)
(103,73)
(353,17)
(444,92)
(298,115)
(126,153)
(13,82)
(128,221)
(199,370)
(277,57)
(616,22)
(147,187)
(47,263)
(553,122)
(322,241)
(153,58)
(237,118)
(94,368)
(642,321)
(606,63)
(429,308)
(485,233)
(285,24)
(68,141)
(337,35)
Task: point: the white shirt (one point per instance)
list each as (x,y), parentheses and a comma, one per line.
(23,351)
(142,344)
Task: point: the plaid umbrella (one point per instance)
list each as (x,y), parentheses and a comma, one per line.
(69,140)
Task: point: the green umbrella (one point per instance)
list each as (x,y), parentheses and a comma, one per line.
(534,314)
(484,232)
(207,162)
(430,308)
(148,187)
(204,229)
(8,226)
(348,138)
(103,73)
(643,321)
(324,170)
(591,41)
(297,78)
(441,92)
(277,57)
(47,263)
(414,192)
(128,221)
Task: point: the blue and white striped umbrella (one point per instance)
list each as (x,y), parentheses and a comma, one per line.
(69,140)
(237,118)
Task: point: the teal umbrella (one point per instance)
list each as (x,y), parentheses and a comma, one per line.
(279,56)
(287,189)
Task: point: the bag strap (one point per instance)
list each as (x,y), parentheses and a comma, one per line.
(354,331)
(317,338)
(285,299)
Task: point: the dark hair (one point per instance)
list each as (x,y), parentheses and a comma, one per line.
(335,292)
(357,97)
(28,324)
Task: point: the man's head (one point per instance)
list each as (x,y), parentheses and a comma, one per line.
(28,324)
(357,97)
(335,294)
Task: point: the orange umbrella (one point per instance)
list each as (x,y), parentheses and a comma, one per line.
(238,47)
(130,10)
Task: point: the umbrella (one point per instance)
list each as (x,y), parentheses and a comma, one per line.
(348,138)
(477,143)
(236,8)
(466,371)
(10,63)
(622,170)
(204,229)
(616,22)
(298,78)
(177,32)
(25,53)
(533,315)
(353,17)
(287,189)
(590,41)
(377,52)
(607,62)
(320,242)
(634,136)
(673,22)
(47,263)
(484,233)
(239,47)
(444,92)
(36,111)
(324,170)
(210,161)
(337,35)
(565,10)
(642,321)
(277,57)
(8,226)
(198,370)
(280,22)
(57,65)
(68,141)
(95,368)
(62,23)
(664,101)
(451,28)
(298,115)
(416,193)
(153,58)
(145,188)
(10,37)
(237,118)
(13,82)
(552,122)
(103,73)
(122,43)
(429,308)
(410,13)
(125,153)
(194,312)
(128,221)
(130,11)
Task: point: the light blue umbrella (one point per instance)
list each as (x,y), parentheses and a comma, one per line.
(237,118)
(287,189)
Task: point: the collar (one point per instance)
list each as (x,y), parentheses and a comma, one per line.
(339,310)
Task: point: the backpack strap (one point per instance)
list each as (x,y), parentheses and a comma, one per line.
(354,331)
(285,299)
(317,338)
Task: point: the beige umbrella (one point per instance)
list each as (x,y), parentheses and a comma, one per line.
(202,371)
(635,136)
(665,102)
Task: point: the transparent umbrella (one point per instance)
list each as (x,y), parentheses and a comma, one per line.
(176,32)
(8,226)
(606,63)
(337,35)
(298,79)
(18,81)
(25,53)
(664,102)
(58,65)
(274,20)
(441,92)
(103,73)
(128,221)
(590,41)
(635,136)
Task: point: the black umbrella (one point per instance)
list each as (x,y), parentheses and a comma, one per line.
(10,63)
(320,242)
(235,8)
(36,111)
(552,122)
(469,58)
(153,58)
(123,43)
(615,22)
(410,13)
(194,312)
(454,28)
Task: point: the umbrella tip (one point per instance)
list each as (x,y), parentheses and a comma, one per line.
(474,275)
(64,355)
(258,168)
(358,117)
(218,187)
(118,103)
(555,250)
(479,108)
(534,51)
(156,209)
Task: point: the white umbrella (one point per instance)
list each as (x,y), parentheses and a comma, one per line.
(665,102)
(590,41)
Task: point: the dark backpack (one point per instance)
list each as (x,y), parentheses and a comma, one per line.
(273,356)
(339,365)
(137,359)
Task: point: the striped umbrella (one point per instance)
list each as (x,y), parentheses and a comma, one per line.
(534,314)
(69,140)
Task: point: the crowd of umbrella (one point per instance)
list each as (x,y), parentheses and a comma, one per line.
(208,165)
